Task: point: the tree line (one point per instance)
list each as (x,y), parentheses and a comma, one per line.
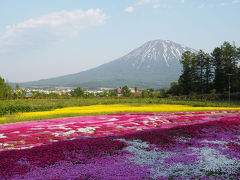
(204,73)
(6,92)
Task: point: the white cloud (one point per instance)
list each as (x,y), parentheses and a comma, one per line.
(222,4)
(143,2)
(202,6)
(129,9)
(182,1)
(155,6)
(50,27)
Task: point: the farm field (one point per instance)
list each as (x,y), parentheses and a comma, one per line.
(117,141)
(103,109)
(34,105)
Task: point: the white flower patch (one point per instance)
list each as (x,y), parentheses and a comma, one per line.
(235,142)
(153,118)
(119,127)
(2,136)
(54,140)
(145,122)
(210,160)
(165,121)
(176,170)
(23,135)
(27,147)
(16,132)
(137,143)
(214,142)
(64,133)
(37,128)
(4,144)
(89,130)
(102,118)
(59,126)
(40,126)
(214,160)
(108,123)
(141,155)
(113,119)
(182,139)
(135,123)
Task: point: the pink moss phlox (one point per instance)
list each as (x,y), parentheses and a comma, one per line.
(47,131)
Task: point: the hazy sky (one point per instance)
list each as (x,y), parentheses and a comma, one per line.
(48,38)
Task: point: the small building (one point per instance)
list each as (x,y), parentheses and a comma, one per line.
(118,90)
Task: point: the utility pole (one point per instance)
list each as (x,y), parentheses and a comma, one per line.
(229,88)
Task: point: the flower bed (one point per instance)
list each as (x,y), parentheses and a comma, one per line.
(125,145)
(104,109)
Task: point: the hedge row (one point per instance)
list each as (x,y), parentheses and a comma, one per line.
(233,96)
(10,109)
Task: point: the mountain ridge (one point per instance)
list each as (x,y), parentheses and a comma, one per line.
(155,64)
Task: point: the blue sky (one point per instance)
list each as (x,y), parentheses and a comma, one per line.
(49,38)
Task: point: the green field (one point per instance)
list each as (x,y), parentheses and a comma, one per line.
(34,105)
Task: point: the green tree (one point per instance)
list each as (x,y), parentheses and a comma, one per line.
(126,91)
(208,76)
(175,89)
(5,89)
(36,94)
(188,77)
(53,95)
(230,57)
(225,61)
(112,93)
(144,94)
(19,92)
(147,93)
(203,72)
(77,92)
(238,79)
(102,94)
(90,95)
(218,66)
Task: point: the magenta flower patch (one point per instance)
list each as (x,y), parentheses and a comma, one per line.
(30,134)
(201,145)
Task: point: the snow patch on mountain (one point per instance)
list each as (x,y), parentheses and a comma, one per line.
(158,51)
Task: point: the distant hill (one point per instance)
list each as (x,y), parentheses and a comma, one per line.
(155,64)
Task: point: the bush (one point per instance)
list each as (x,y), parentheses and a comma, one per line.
(5,89)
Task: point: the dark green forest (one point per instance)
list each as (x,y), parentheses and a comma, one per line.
(204,73)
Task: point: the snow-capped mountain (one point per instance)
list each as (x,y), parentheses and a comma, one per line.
(161,51)
(155,64)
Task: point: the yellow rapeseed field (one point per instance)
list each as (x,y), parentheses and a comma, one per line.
(2,118)
(105,109)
